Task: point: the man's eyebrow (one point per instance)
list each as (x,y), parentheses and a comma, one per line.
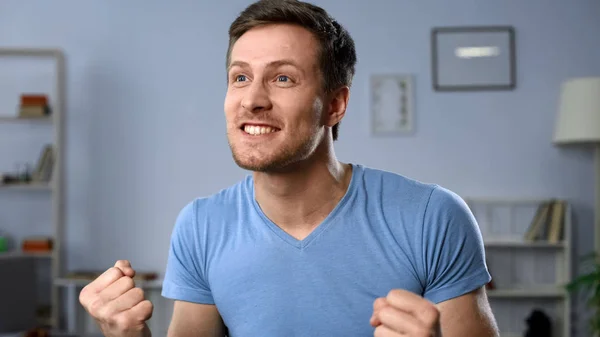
(241,64)
(284,62)
(273,64)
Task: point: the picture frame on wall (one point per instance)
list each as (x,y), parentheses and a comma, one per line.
(473,58)
(392,104)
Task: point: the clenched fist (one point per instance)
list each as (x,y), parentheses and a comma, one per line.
(119,308)
(402,313)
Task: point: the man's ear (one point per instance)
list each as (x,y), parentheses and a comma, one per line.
(338,101)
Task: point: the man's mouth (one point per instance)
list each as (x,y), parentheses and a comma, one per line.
(257,130)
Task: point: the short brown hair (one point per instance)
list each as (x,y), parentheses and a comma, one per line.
(337,55)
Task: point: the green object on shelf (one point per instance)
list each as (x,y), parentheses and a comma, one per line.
(3,244)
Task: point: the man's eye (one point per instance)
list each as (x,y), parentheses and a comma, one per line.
(282,78)
(240,78)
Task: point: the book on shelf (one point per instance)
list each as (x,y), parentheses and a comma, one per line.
(34,106)
(45,165)
(37,244)
(548,222)
(42,174)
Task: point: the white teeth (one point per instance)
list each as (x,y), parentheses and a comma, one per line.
(258,130)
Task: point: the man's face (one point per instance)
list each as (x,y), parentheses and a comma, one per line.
(273,105)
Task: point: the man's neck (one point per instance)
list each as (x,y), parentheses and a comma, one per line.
(300,200)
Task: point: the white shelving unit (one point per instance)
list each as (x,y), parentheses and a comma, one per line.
(53,190)
(527,275)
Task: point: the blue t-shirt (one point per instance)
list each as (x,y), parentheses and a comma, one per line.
(387,232)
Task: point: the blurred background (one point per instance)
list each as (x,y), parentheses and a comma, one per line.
(129,94)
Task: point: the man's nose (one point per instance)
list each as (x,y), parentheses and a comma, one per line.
(256,97)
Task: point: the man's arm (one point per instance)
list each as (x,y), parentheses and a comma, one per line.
(403,313)
(185,281)
(468,315)
(455,278)
(195,320)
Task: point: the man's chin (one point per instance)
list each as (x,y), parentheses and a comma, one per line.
(263,165)
(255,166)
(268,160)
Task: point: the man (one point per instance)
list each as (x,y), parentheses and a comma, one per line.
(306,245)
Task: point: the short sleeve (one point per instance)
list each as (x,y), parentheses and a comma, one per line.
(184,278)
(454,253)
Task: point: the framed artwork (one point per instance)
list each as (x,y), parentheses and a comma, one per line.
(473,58)
(392,105)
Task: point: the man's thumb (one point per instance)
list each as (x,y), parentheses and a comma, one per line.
(125,268)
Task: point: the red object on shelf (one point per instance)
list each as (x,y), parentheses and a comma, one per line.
(37,245)
(34,99)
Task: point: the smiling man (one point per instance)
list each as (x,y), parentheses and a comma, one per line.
(306,245)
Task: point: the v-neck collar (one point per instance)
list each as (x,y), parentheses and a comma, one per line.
(326,223)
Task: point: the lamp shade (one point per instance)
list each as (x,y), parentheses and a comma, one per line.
(578,119)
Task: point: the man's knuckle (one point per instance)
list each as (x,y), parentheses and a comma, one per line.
(112,273)
(111,322)
(122,262)
(83,296)
(95,305)
(138,294)
(145,310)
(123,322)
(104,313)
(379,302)
(150,307)
(386,313)
(129,283)
(393,293)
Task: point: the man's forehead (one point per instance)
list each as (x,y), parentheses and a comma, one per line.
(274,43)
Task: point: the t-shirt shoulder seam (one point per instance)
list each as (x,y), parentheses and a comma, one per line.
(423,239)
(195,213)
(428,202)
(202,255)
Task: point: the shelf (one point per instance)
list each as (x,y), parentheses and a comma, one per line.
(53,333)
(59,333)
(528,274)
(15,119)
(20,255)
(27,187)
(527,293)
(29,51)
(522,244)
(54,188)
(65,282)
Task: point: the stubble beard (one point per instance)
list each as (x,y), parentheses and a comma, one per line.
(282,161)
